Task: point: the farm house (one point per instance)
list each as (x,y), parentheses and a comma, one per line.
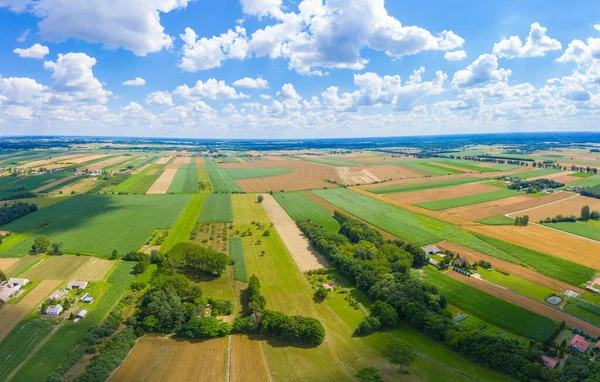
(54,310)
(549,362)
(10,287)
(431,250)
(579,343)
(56,295)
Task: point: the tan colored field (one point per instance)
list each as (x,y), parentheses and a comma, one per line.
(108,162)
(85,158)
(355,175)
(163,160)
(153,171)
(80,187)
(58,267)
(169,359)
(390,171)
(140,169)
(514,269)
(94,269)
(552,242)
(527,303)
(182,160)
(305,256)
(52,184)
(60,158)
(569,206)
(504,206)
(562,177)
(199,160)
(420,180)
(7,262)
(11,315)
(247,360)
(443,193)
(161,186)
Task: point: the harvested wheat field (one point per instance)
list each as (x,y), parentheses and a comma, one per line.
(162,184)
(566,207)
(305,256)
(58,267)
(11,315)
(355,175)
(169,359)
(182,160)
(54,159)
(450,167)
(504,206)
(505,266)
(199,160)
(390,171)
(562,177)
(7,262)
(52,184)
(163,160)
(443,193)
(546,240)
(94,269)
(140,169)
(527,303)
(248,362)
(108,162)
(84,158)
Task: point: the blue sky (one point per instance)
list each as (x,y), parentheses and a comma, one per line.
(311,68)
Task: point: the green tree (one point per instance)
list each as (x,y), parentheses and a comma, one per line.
(114,255)
(57,249)
(399,353)
(2,276)
(40,244)
(585,213)
(260,198)
(368,374)
(141,266)
(321,293)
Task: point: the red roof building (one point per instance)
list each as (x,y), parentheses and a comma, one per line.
(549,362)
(598,345)
(579,343)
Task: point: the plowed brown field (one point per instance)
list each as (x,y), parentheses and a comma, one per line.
(527,303)
(514,269)
(248,362)
(570,206)
(443,193)
(504,206)
(562,177)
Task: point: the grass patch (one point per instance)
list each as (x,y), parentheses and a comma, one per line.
(216,209)
(589,229)
(140,182)
(248,173)
(236,253)
(581,175)
(99,223)
(492,309)
(497,220)
(517,284)
(185,223)
(185,181)
(588,182)
(583,309)
(300,207)
(474,323)
(430,168)
(467,200)
(219,178)
(421,186)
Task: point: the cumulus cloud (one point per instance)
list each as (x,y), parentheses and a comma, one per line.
(211,89)
(134,107)
(208,53)
(36,51)
(15,5)
(262,7)
(582,53)
(483,69)
(252,83)
(135,82)
(159,98)
(536,44)
(289,92)
(597,27)
(20,89)
(457,55)
(265,96)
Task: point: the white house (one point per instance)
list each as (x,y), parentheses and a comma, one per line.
(81,314)
(54,310)
(56,295)
(13,282)
(431,250)
(10,287)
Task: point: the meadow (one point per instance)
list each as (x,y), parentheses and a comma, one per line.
(468,166)
(185,181)
(300,207)
(248,173)
(99,223)
(139,183)
(583,309)
(588,182)
(492,309)
(185,223)
(421,186)
(589,229)
(497,220)
(219,178)
(216,209)
(517,284)
(429,167)
(236,253)
(467,200)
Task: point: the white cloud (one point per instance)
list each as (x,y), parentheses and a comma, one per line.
(211,89)
(15,5)
(252,83)
(134,107)
(483,69)
(457,55)
(36,51)
(582,53)
(20,89)
(23,37)
(132,25)
(289,92)
(347,102)
(74,79)
(262,7)
(203,53)
(536,44)
(265,96)
(159,98)
(135,82)
(597,27)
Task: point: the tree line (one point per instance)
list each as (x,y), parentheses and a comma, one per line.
(11,212)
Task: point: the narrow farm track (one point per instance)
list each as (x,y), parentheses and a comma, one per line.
(527,303)
(514,269)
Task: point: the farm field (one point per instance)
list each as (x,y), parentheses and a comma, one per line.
(583,309)
(219,178)
(434,194)
(589,229)
(561,177)
(140,182)
(391,171)
(216,209)
(236,253)
(517,284)
(247,360)
(566,207)
(23,265)
(58,267)
(185,223)
(185,181)
(99,223)
(8,262)
(475,167)
(212,235)
(110,161)
(305,256)
(169,359)
(425,185)
(300,207)
(467,200)
(490,308)
(497,220)
(248,173)
(162,184)
(587,182)
(536,173)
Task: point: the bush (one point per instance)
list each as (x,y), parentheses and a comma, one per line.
(189,256)
(221,307)
(207,327)
(368,325)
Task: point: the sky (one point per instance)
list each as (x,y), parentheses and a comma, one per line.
(297,69)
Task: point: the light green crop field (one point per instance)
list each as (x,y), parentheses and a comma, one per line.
(185,181)
(581,175)
(467,200)
(535,173)
(517,284)
(99,223)
(62,184)
(492,309)
(476,323)
(300,207)
(53,353)
(236,253)
(216,209)
(497,220)
(140,182)
(248,173)
(30,182)
(219,178)
(185,223)
(587,182)
(421,186)
(589,229)
(581,308)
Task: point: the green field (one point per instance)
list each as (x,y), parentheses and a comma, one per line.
(30,182)
(61,185)
(587,182)
(219,178)
(300,207)
(535,173)
(185,223)
(517,284)
(467,200)
(236,254)
(477,324)
(99,223)
(20,342)
(185,181)
(589,229)
(248,173)
(468,166)
(421,186)
(55,351)
(429,168)
(216,209)
(497,220)
(140,182)
(581,175)
(583,309)
(492,309)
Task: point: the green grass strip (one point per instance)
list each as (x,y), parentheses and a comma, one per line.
(589,229)
(421,186)
(429,168)
(186,180)
(300,207)
(219,179)
(217,208)
(185,223)
(467,166)
(236,253)
(467,200)
(497,220)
